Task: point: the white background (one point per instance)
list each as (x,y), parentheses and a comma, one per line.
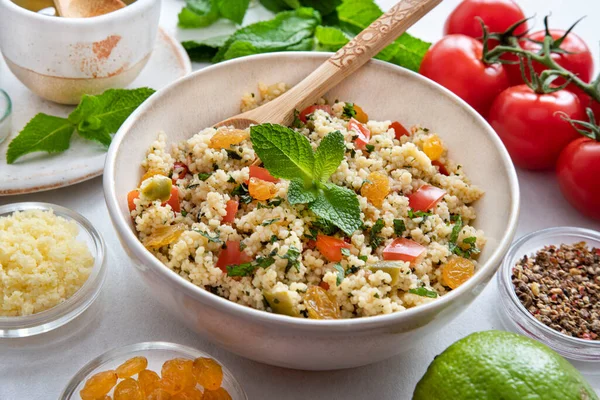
(39,367)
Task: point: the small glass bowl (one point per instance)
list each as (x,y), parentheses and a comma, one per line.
(45,321)
(156,353)
(5,115)
(515,316)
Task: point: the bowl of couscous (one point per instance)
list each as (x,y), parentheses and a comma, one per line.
(369,223)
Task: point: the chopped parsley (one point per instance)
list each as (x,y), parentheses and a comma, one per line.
(204,176)
(369,147)
(345,252)
(274,202)
(423,292)
(214,239)
(233,155)
(399,227)
(192,186)
(270,221)
(340,273)
(418,214)
(349,111)
(242,192)
(292,256)
(183,213)
(363,258)
(374,240)
(297,123)
(273,239)
(248,268)
(231,180)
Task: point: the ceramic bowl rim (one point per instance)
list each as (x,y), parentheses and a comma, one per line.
(8,109)
(124,13)
(223,305)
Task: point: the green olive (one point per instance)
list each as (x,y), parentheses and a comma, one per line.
(157,187)
(394,268)
(281,303)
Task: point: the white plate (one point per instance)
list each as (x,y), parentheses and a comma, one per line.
(84,159)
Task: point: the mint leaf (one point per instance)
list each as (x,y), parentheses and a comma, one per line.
(329,155)
(42,133)
(289,30)
(280,5)
(204,50)
(198,13)
(341,274)
(299,194)
(284,152)
(423,292)
(96,117)
(293,259)
(339,206)
(356,15)
(411,51)
(233,10)
(329,38)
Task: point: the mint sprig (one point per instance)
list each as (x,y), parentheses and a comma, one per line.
(288,154)
(95,118)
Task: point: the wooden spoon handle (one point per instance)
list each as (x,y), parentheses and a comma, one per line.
(355,53)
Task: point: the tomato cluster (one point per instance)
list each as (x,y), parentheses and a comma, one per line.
(532,122)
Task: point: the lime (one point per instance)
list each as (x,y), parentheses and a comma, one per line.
(496,365)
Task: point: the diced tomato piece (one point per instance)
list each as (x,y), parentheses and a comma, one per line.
(441,167)
(331,247)
(262,173)
(311,244)
(399,130)
(324,285)
(311,109)
(181,169)
(364,134)
(402,249)
(232,255)
(174,200)
(425,198)
(131,196)
(231,207)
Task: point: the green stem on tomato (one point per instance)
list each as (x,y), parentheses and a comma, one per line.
(589,129)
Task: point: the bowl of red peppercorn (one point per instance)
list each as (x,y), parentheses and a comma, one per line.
(550,290)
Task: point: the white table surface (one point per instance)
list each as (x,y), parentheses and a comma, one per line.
(39,367)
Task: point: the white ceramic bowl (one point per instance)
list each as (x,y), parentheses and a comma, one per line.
(60,59)
(385,91)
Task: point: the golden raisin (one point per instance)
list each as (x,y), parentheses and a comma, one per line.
(227,137)
(376,188)
(148,381)
(98,385)
(433,148)
(107,397)
(176,375)
(131,367)
(261,190)
(208,373)
(188,394)
(164,235)
(159,394)
(219,394)
(360,116)
(320,304)
(128,389)
(457,271)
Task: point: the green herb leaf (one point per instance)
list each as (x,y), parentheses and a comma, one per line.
(273,239)
(289,30)
(298,194)
(244,269)
(411,51)
(339,206)
(418,214)
(356,15)
(204,176)
(329,38)
(242,192)
(43,133)
(374,239)
(363,258)
(285,153)
(399,227)
(326,227)
(292,256)
(341,274)
(369,148)
(329,155)
(204,50)
(214,239)
(269,221)
(233,10)
(349,111)
(198,13)
(345,252)
(423,292)
(280,5)
(470,240)
(458,225)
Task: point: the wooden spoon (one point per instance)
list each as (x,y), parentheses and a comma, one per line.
(348,59)
(86,8)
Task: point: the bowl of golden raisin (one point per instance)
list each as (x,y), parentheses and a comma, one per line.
(154,371)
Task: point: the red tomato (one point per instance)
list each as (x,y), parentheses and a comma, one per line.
(578,60)
(231,207)
(311,109)
(331,247)
(364,134)
(262,173)
(324,285)
(181,170)
(498,16)
(131,196)
(232,255)
(442,168)
(425,198)
(402,249)
(174,200)
(455,63)
(528,124)
(578,169)
(399,130)
(586,101)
